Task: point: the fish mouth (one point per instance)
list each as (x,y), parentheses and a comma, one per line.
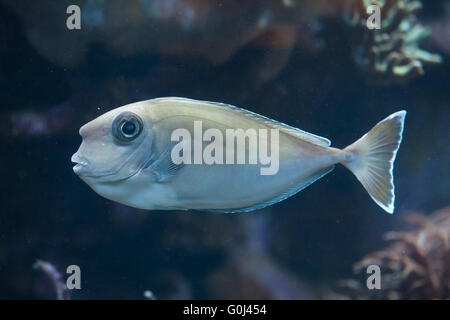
(84,169)
(81,163)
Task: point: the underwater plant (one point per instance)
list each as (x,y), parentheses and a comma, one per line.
(415,266)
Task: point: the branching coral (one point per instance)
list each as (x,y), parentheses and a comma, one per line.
(415,266)
(391,53)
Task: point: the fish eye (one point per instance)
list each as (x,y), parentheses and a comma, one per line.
(129,128)
(126,126)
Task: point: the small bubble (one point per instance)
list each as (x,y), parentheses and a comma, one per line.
(149,295)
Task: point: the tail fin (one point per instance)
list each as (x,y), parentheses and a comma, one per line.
(372,159)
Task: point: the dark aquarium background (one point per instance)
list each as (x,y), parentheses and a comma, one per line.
(312,64)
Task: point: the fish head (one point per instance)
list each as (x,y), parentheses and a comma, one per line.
(115,146)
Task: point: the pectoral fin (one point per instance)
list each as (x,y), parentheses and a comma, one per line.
(162,166)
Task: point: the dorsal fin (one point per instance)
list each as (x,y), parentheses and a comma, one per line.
(273,123)
(280,125)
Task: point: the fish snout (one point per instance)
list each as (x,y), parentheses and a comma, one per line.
(91,129)
(81,163)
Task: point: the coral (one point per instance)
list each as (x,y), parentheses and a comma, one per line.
(415,266)
(391,53)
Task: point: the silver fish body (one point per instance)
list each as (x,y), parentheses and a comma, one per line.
(140,172)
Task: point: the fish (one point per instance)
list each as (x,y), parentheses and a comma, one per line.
(132,154)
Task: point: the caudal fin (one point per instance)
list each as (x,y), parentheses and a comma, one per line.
(371,159)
